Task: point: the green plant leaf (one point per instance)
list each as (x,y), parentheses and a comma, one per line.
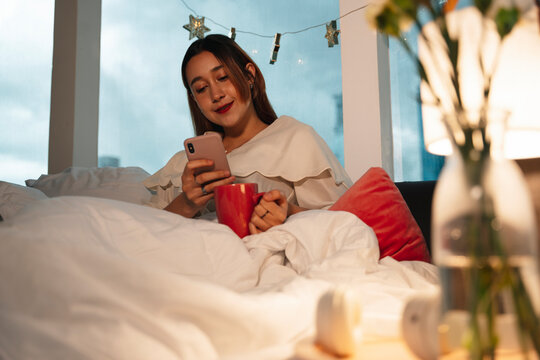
(408,7)
(505,20)
(388,22)
(482,5)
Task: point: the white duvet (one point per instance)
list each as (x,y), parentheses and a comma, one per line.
(90,278)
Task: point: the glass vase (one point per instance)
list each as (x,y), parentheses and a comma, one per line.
(485,247)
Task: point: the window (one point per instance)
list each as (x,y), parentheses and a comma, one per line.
(144,116)
(26,40)
(411,160)
(143,109)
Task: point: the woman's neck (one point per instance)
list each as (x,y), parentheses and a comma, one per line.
(236,137)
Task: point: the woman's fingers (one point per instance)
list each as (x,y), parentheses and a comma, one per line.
(197,196)
(208,188)
(271,211)
(219,177)
(276,203)
(276,196)
(200,173)
(198,186)
(198,166)
(201,194)
(253,229)
(266,212)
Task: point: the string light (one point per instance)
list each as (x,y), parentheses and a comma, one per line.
(198,29)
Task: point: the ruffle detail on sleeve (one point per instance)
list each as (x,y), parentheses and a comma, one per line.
(288,149)
(170,174)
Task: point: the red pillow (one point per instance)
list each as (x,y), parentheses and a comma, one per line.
(376,200)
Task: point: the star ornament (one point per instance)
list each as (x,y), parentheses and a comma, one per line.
(332,33)
(196,27)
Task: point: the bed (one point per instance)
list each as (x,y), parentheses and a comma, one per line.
(87,271)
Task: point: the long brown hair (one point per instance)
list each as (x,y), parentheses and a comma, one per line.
(234,59)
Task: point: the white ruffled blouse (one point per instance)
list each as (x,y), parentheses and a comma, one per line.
(287,155)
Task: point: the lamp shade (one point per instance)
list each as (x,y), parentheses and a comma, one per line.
(515,85)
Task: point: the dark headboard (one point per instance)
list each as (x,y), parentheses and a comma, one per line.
(418,195)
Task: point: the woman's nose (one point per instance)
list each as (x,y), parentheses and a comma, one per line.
(217,94)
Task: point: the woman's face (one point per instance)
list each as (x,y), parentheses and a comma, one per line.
(215,93)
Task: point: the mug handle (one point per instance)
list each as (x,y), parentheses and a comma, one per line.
(257,197)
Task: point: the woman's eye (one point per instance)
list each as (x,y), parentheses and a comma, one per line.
(223,78)
(200,90)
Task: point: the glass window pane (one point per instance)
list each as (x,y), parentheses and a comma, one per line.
(411,161)
(26,43)
(144,116)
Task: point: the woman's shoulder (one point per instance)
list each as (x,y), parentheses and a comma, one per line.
(283,135)
(288,149)
(289,122)
(287,127)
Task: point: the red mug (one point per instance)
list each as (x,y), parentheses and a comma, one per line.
(235,204)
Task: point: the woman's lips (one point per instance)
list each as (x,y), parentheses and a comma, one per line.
(224,108)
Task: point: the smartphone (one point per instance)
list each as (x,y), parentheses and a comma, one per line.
(207,146)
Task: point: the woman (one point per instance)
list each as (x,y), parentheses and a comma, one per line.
(286,158)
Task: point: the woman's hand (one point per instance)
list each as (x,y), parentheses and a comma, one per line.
(271,211)
(197,190)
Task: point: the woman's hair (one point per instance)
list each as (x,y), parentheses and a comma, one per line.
(234,59)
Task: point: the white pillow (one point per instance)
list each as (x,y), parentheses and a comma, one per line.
(14,197)
(117,183)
